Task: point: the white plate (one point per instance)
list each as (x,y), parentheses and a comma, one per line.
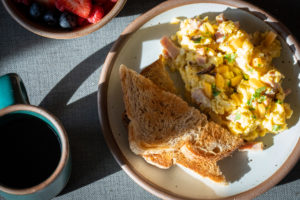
(249,174)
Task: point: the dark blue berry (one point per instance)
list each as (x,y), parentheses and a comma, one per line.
(50,18)
(35,10)
(67,20)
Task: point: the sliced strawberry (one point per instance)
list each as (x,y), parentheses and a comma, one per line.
(100,2)
(96,14)
(108,6)
(82,21)
(81,8)
(59,6)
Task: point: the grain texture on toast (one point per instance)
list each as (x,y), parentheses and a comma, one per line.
(158,119)
(165,131)
(158,74)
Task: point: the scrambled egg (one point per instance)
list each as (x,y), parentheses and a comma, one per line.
(230,75)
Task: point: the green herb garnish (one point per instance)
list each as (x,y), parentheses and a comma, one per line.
(249,102)
(251,108)
(250,69)
(276,128)
(258,92)
(246,77)
(259,65)
(215,91)
(237,117)
(253,116)
(229,83)
(261,99)
(230,57)
(279,101)
(197,40)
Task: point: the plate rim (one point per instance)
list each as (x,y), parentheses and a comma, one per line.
(103,110)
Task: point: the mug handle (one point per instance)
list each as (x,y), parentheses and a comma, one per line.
(12,91)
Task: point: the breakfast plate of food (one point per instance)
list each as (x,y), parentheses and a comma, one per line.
(198,100)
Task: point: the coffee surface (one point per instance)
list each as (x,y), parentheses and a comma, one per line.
(29,151)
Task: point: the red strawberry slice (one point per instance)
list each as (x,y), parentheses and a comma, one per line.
(59,6)
(81,8)
(108,6)
(82,21)
(96,14)
(100,2)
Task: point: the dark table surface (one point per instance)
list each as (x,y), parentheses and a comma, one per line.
(62,76)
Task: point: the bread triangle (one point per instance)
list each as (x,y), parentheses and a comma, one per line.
(196,147)
(159,120)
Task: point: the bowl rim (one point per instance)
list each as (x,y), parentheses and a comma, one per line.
(40,30)
(103,109)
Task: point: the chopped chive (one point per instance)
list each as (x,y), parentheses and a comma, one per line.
(214,90)
(261,99)
(230,57)
(258,92)
(237,117)
(276,128)
(197,40)
(246,77)
(251,108)
(279,101)
(229,83)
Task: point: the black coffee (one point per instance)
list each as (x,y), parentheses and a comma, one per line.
(29,151)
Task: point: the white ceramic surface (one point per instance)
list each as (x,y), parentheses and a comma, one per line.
(243,170)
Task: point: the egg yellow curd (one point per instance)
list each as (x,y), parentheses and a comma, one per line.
(229,74)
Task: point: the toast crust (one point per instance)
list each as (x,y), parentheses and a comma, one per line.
(165,130)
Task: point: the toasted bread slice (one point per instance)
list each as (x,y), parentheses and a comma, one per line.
(214,142)
(206,168)
(197,148)
(159,120)
(162,160)
(158,74)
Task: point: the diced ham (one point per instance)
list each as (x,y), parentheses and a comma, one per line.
(207,70)
(252,146)
(201,51)
(195,24)
(267,101)
(201,60)
(237,24)
(200,98)
(220,18)
(219,37)
(287,91)
(168,45)
(271,93)
(272,78)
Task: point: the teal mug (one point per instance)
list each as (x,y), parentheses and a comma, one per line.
(34,148)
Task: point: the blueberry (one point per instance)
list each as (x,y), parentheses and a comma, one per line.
(50,18)
(67,20)
(35,10)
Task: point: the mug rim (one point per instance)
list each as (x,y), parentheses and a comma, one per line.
(65,152)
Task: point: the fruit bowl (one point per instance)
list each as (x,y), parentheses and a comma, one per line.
(70,20)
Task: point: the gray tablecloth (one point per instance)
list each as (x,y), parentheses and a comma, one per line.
(62,76)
